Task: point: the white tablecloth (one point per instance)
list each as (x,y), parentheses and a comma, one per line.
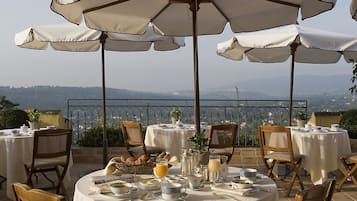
(321,150)
(14,152)
(83,193)
(169,137)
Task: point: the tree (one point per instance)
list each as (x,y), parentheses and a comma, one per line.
(353,89)
(5,104)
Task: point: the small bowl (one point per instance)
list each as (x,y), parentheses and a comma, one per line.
(119,188)
(150,184)
(241,184)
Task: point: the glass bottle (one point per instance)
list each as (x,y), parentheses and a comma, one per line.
(186,160)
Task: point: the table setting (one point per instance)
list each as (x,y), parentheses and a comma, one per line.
(167,183)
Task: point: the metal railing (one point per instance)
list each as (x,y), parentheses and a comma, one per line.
(248,114)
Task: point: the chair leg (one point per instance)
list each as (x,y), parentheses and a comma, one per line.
(2,180)
(60,180)
(296,167)
(270,169)
(350,172)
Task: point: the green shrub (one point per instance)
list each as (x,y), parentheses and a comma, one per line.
(248,140)
(349,122)
(12,118)
(94,137)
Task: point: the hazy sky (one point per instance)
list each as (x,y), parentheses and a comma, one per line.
(143,71)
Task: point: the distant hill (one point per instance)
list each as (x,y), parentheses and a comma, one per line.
(306,87)
(303,85)
(55,97)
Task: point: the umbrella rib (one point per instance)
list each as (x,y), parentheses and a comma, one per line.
(159,13)
(222,13)
(285,3)
(103,6)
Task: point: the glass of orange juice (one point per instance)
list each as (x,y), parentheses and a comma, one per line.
(214,165)
(161,168)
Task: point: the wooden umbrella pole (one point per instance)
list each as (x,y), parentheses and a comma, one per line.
(293,50)
(194,8)
(105,137)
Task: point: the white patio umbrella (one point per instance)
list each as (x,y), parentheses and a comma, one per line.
(188,18)
(69,37)
(303,44)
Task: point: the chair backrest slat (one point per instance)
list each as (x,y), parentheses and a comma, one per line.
(22,192)
(284,145)
(52,143)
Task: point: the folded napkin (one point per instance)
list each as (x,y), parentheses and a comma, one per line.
(99,188)
(224,188)
(105,179)
(111,169)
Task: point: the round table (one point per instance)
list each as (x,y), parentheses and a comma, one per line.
(266,189)
(15,150)
(321,149)
(169,137)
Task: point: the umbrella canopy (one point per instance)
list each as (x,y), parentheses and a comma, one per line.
(188,18)
(69,37)
(305,45)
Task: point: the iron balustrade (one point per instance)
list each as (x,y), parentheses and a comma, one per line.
(85,114)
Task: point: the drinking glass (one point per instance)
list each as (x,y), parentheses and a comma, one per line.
(214,165)
(161,168)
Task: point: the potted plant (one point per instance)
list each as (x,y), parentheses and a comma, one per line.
(301,119)
(34,119)
(175,115)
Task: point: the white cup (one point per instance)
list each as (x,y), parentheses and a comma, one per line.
(335,127)
(119,188)
(172,191)
(308,127)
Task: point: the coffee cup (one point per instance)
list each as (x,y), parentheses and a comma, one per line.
(248,174)
(308,127)
(119,188)
(195,181)
(172,191)
(24,129)
(335,127)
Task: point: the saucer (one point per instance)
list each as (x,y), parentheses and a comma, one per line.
(157,195)
(125,196)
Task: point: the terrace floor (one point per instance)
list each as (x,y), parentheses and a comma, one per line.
(348,193)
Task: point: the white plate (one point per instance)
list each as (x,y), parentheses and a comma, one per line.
(157,195)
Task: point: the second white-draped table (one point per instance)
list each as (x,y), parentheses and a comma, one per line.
(170,137)
(321,150)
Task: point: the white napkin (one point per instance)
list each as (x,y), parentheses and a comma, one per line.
(110,169)
(224,188)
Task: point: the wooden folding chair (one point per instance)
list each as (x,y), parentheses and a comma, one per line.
(322,192)
(350,164)
(23,192)
(275,154)
(134,139)
(51,152)
(222,139)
